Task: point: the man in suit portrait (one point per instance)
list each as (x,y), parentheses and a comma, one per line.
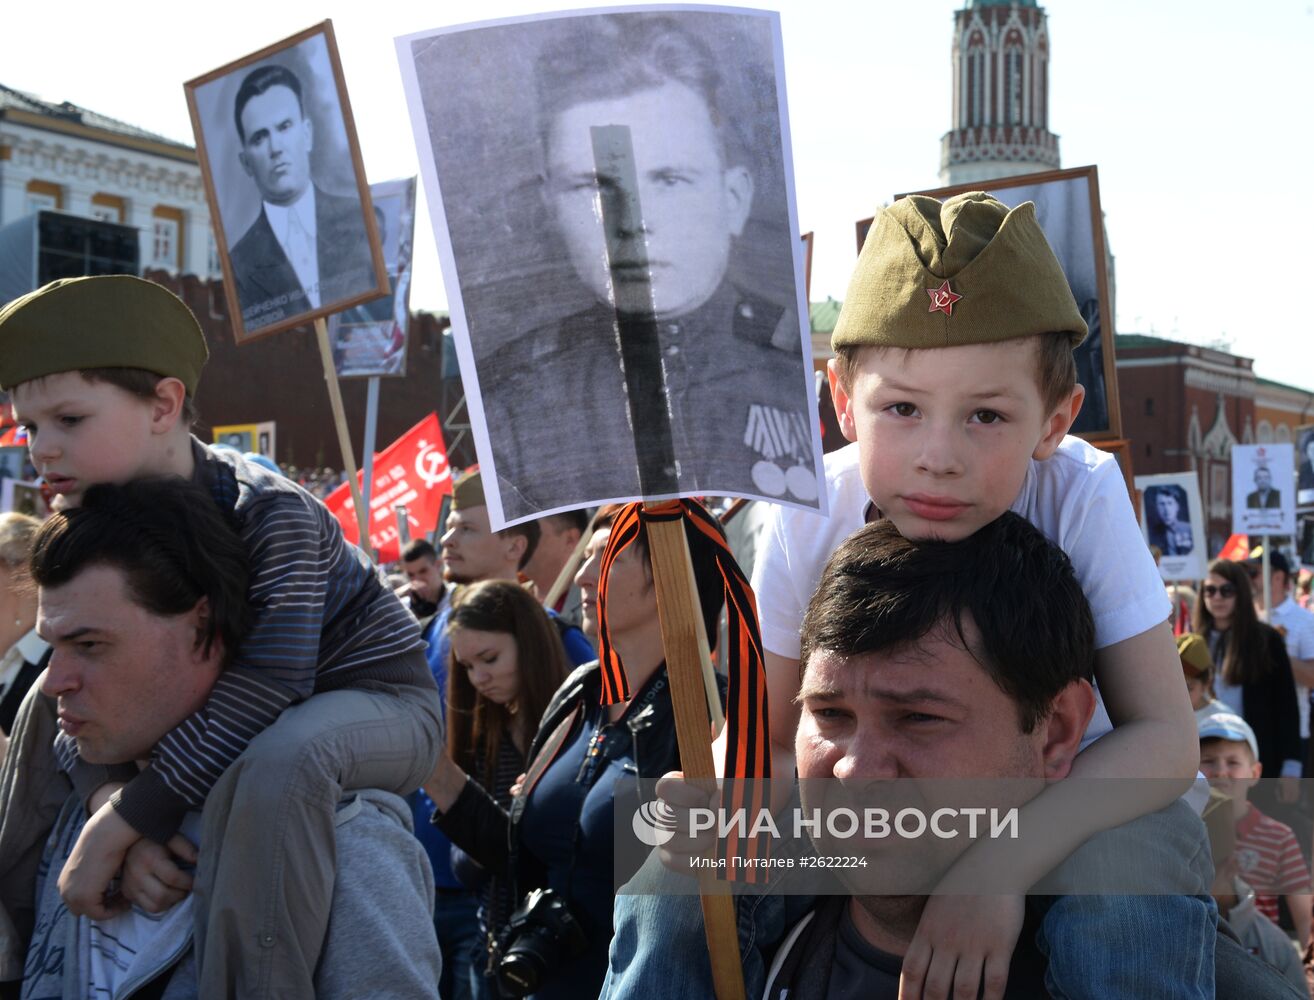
(307,248)
(651,228)
(1263,497)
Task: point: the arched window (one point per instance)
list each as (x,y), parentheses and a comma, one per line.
(1013,54)
(976,63)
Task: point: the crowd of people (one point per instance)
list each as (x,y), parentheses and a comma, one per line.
(240,763)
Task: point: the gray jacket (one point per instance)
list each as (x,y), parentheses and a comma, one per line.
(380,939)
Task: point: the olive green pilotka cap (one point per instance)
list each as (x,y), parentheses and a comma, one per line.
(107,321)
(468,491)
(967,270)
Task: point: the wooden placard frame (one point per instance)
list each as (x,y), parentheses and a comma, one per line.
(1113,431)
(203,154)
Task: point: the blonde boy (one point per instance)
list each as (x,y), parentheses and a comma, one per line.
(954,378)
(1267,854)
(102,371)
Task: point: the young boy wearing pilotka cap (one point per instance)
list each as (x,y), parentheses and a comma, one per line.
(330,689)
(954,378)
(1198,672)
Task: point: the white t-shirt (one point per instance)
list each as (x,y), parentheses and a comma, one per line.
(1299,626)
(1077,498)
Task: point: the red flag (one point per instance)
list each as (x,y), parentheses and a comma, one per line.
(1237,548)
(10,433)
(414,471)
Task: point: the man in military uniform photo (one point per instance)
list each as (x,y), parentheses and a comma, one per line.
(651,235)
(307,247)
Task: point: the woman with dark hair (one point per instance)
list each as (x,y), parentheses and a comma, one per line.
(557,834)
(1253,671)
(505,663)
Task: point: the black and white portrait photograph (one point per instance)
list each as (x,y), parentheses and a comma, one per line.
(296,233)
(1305,465)
(613,204)
(1307,542)
(1068,210)
(1263,489)
(1169,524)
(1173,521)
(370,339)
(1265,496)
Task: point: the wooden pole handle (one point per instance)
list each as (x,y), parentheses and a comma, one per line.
(344,438)
(682,622)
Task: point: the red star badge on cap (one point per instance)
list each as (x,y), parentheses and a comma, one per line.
(943,299)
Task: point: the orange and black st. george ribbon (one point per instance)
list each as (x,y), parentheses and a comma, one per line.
(748,762)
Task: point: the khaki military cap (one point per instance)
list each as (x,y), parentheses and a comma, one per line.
(967,270)
(468,491)
(108,321)
(1194,652)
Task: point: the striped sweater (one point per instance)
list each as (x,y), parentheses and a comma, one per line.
(324,619)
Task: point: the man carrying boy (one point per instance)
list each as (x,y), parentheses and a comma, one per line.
(141,635)
(103,371)
(929,661)
(954,377)
(1268,857)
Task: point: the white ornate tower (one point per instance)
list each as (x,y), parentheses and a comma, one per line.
(1001,94)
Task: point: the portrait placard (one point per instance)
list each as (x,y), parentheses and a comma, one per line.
(1068,210)
(13,460)
(266,440)
(370,339)
(612,196)
(1173,520)
(1263,489)
(1305,465)
(1306,541)
(243,437)
(293,223)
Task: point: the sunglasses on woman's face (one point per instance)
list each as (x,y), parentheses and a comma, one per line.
(1226,590)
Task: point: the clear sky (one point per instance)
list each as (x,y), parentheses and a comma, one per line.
(1195,112)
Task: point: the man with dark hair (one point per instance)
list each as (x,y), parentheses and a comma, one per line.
(425,573)
(308,247)
(924,661)
(650,229)
(559,537)
(1264,496)
(143,597)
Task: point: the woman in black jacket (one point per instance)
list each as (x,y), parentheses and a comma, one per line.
(557,834)
(1253,672)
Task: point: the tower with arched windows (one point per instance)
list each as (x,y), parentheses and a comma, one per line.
(1001,94)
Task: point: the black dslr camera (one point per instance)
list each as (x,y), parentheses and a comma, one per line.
(541,934)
